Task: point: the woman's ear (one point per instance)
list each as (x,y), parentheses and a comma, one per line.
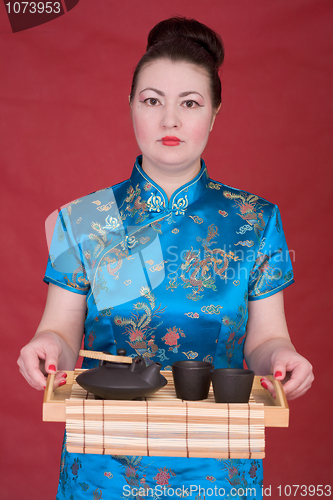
(214,116)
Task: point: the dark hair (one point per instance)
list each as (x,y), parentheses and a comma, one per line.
(182,39)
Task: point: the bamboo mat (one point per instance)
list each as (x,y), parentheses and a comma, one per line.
(163,425)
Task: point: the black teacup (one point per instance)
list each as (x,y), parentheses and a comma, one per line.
(232,385)
(192,379)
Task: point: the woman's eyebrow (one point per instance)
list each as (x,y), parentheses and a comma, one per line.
(154,90)
(182,94)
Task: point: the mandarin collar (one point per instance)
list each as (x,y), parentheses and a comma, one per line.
(155,197)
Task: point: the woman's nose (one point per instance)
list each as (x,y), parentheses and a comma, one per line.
(170,117)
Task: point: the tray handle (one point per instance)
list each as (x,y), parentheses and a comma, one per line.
(105,357)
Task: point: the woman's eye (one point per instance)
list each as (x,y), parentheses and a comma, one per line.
(151,101)
(190,104)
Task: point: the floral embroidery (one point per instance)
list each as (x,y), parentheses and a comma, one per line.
(132,472)
(99,229)
(211,309)
(288,277)
(246,243)
(277,221)
(232,466)
(248,204)
(192,314)
(91,338)
(243,229)
(155,203)
(180,206)
(191,354)
(208,358)
(76,466)
(199,273)
(157,227)
(196,219)
(97,494)
(112,223)
(78,281)
(105,208)
(157,267)
(234,342)
(134,205)
(236,477)
(106,312)
(163,476)
(113,261)
(264,274)
(139,328)
(214,185)
(171,338)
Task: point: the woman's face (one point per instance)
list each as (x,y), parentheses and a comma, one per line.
(172,115)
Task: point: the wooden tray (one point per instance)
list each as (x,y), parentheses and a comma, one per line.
(276,410)
(163,425)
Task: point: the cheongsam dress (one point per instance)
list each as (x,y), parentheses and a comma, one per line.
(168,280)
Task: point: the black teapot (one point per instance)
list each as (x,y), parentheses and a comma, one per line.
(114,380)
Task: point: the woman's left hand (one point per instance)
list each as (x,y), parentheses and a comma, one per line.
(294,371)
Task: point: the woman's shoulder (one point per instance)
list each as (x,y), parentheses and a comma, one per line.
(245,200)
(101,200)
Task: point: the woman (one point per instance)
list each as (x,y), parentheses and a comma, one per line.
(170,265)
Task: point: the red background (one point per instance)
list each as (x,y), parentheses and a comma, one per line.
(66,131)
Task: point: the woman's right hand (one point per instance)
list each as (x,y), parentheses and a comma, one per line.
(57,342)
(40,357)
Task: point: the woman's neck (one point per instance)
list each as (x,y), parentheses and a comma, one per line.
(171,178)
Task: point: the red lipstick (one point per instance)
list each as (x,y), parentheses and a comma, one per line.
(170,141)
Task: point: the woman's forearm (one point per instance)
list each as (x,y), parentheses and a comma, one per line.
(260,359)
(67,354)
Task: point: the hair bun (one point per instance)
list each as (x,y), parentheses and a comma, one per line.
(192,30)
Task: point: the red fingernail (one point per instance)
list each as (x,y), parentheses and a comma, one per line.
(52,367)
(278,374)
(65,375)
(44,386)
(63,382)
(265,386)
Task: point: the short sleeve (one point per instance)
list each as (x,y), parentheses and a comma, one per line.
(272,270)
(65,266)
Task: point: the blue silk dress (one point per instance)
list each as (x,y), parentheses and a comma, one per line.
(168,280)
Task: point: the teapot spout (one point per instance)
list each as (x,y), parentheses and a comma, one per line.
(151,374)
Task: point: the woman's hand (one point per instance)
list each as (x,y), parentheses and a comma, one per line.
(268,349)
(294,371)
(40,357)
(58,338)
